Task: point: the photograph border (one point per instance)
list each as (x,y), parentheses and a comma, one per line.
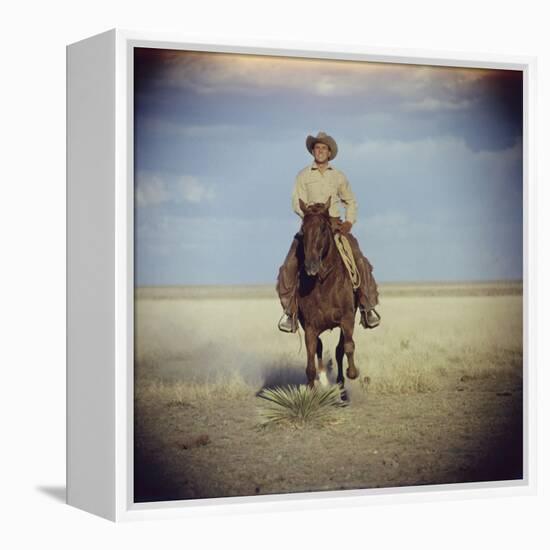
(124,507)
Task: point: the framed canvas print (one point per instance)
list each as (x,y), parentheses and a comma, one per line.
(297,275)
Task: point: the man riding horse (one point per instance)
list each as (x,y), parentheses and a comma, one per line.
(317,183)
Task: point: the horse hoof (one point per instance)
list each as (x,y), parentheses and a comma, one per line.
(323,379)
(352,373)
(344,398)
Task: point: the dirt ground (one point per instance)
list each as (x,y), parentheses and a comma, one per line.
(444,405)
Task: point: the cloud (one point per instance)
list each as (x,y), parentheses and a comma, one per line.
(191,190)
(238,93)
(435,155)
(209,73)
(150,190)
(191,131)
(154,189)
(430,104)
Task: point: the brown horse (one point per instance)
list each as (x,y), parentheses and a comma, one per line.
(325,296)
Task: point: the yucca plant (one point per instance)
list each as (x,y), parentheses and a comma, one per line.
(299,405)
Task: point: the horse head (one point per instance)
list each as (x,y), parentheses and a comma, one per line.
(317,235)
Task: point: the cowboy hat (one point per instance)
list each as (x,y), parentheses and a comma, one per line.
(322,138)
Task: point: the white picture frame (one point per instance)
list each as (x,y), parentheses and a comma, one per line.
(100,277)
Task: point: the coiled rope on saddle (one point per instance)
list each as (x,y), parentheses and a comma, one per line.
(344,248)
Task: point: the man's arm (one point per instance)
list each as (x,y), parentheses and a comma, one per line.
(348,198)
(297,194)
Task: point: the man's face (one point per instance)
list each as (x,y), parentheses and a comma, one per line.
(321,152)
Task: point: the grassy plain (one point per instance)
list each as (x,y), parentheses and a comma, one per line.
(444,402)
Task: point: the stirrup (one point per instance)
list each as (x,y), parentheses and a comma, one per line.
(288,323)
(373,323)
(365,321)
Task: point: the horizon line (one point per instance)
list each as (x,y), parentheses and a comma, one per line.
(404,282)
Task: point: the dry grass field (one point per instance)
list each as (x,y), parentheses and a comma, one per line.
(444,402)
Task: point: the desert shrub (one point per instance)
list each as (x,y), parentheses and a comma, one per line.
(299,405)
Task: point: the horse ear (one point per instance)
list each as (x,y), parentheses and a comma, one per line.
(327,204)
(302,205)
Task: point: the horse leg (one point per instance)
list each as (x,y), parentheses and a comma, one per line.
(340,363)
(311,347)
(320,366)
(349,348)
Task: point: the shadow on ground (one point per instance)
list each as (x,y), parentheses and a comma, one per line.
(293,374)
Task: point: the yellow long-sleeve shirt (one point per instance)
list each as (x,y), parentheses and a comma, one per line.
(312,186)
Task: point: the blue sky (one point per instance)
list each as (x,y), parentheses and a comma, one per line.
(433,155)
